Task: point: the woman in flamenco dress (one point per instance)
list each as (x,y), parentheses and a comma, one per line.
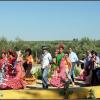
(16,81)
(58,79)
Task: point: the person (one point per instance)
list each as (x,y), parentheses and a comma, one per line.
(95,68)
(20,61)
(81,75)
(87,63)
(54,64)
(10,63)
(46,60)
(55,56)
(16,81)
(28,63)
(3,65)
(85,67)
(68,65)
(74,59)
(60,55)
(58,79)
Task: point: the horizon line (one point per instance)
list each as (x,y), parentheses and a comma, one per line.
(20,39)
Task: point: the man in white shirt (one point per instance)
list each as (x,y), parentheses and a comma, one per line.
(74,59)
(46,60)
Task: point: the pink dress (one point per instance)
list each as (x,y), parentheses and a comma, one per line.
(15,82)
(2,61)
(56,80)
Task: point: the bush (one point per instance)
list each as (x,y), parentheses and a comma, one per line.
(38,74)
(77,70)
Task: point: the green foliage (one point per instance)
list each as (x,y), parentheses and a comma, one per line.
(79,46)
(77,71)
(38,74)
(50,73)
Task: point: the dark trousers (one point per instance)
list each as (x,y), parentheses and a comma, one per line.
(27,68)
(94,80)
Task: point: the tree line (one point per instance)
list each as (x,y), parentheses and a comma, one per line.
(79,46)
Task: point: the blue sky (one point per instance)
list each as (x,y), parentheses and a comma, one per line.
(49,20)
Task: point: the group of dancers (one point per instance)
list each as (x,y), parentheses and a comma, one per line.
(63,67)
(12,71)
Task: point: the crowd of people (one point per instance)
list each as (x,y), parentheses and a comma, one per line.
(90,68)
(14,70)
(63,67)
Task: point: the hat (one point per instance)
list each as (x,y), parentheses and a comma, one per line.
(44,48)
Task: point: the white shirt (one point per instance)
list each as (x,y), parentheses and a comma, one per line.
(73,57)
(46,59)
(97,60)
(97,63)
